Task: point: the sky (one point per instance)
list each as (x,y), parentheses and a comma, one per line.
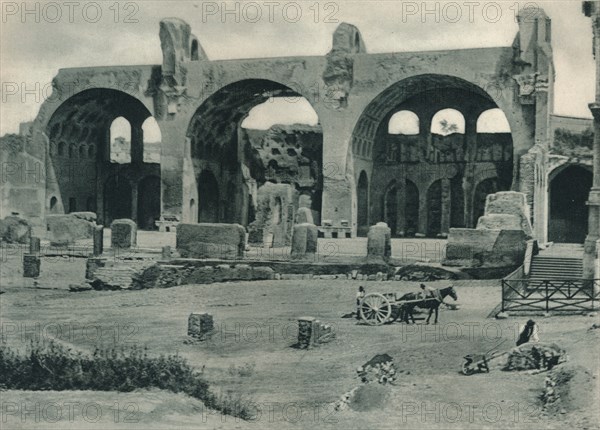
(36,39)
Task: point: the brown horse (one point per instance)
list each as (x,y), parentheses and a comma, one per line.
(429,303)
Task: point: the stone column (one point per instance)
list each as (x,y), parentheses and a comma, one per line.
(137,144)
(592,9)
(446,206)
(423,210)
(98,240)
(401,208)
(34,245)
(468,180)
(589,258)
(134,201)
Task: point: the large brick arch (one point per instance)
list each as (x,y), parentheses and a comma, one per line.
(454,162)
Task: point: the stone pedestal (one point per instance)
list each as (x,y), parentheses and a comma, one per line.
(98,240)
(34,245)
(304,241)
(123,233)
(379,245)
(166,252)
(200,325)
(311,332)
(31,266)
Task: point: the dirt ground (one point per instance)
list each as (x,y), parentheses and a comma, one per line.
(250,357)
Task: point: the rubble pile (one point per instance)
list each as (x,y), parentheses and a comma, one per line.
(535,356)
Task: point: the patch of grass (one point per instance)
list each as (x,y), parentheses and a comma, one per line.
(51,366)
(243,371)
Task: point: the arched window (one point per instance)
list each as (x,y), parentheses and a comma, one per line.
(53,203)
(82,151)
(61,148)
(120,141)
(91,151)
(72,150)
(493,121)
(404,122)
(448,121)
(281,110)
(152,140)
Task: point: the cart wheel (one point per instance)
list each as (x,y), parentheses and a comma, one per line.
(375,309)
(467,370)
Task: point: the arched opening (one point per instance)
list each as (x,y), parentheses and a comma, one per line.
(362,197)
(193,213)
(148,203)
(447,121)
(569,192)
(446,148)
(252,133)
(208,197)
(485,187)
(117,199)
(390,210)
(101,124)
(152,138)
(72,151)
(53,205)
(404,122)
(434,209)
(492,121)
(120,141)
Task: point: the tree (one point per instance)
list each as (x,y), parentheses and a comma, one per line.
(448,127)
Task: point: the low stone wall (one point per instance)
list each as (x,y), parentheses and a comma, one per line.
(171,275)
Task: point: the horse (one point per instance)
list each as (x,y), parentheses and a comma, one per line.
(430,303)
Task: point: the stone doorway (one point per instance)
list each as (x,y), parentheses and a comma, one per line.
(568,215)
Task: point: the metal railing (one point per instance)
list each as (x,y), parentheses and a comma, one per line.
(550,295)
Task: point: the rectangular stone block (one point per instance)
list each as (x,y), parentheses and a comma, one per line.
(200,325)
(208,240)
(379,245)
(123,233)
(510,203)
(304,241)
(34,245)
(31,266)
